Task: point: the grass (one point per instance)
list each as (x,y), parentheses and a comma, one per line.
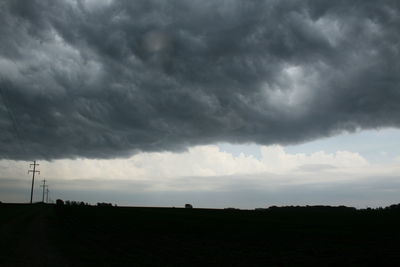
(127,236)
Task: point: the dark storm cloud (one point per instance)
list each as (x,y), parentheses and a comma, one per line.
(109,78)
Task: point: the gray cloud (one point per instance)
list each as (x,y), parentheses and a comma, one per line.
(316,167)
(103,79)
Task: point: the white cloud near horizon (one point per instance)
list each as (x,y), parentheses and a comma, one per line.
(205,172)
(201,161)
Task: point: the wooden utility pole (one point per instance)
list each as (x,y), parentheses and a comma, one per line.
(47,194)
(44,188)
(34,164)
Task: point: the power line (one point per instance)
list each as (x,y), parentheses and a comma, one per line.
(13,120)
(16,133)
(34,164)
(20,141)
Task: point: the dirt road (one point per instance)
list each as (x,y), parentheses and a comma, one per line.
(27,234)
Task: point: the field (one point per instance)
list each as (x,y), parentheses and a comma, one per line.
(47,235)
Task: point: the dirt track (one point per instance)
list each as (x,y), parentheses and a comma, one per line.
(26,238)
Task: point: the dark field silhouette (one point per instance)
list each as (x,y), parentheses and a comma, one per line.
(82,235)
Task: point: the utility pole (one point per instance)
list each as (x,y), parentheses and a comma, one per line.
(34,164)
(47,194)
(44,188)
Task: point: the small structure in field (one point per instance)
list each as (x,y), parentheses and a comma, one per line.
(59,202)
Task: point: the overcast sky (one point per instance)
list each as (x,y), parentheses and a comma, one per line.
(216,103)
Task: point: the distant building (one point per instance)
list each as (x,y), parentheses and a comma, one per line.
(60,202)
(104,204)
(188,206)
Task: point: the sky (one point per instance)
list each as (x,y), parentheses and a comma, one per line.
(215,103)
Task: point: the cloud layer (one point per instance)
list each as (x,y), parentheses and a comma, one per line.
(209,177)
(199,161)
(103,79)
